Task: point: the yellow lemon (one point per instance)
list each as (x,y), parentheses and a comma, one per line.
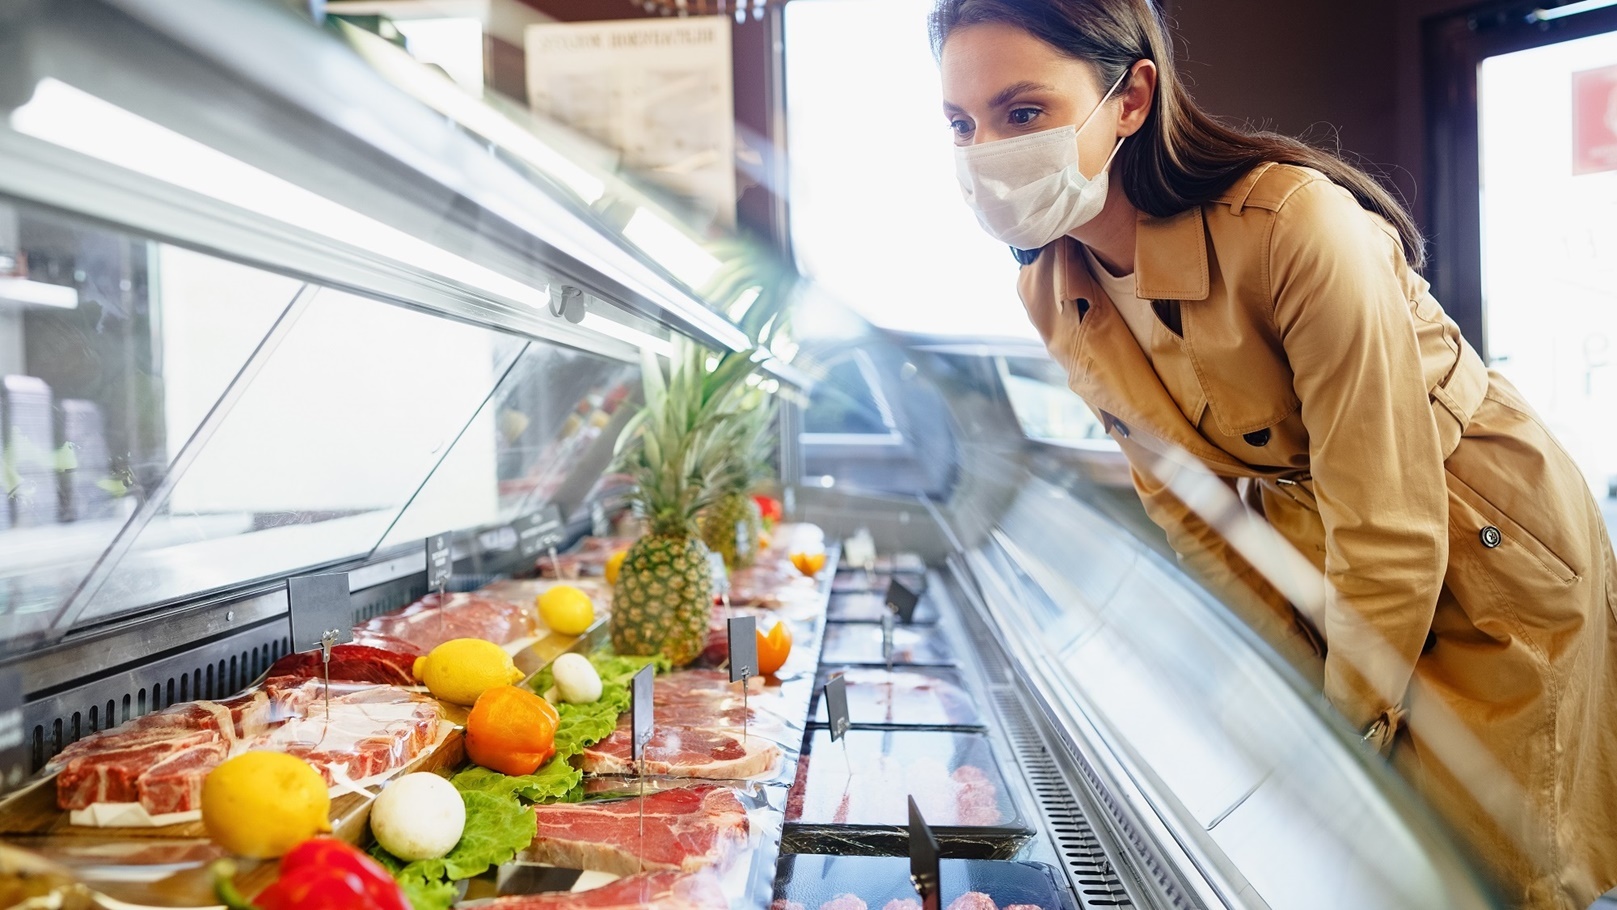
(613,564)
(262,804)
(460,669)
(566,610)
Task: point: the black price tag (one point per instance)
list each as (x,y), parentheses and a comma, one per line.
(319,609)
(923,859)
(539,532)
(439,563)
(902,600)
(642,725)
(13,744)
(743,647)
(836,706)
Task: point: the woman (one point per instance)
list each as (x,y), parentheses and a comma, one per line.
(1257,304)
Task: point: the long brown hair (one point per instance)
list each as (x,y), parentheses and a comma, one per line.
(1182,156)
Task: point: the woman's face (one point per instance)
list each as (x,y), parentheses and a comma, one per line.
(1000,82)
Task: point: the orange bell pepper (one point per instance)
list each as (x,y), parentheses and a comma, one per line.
(511,730)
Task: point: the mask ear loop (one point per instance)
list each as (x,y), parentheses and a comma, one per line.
(1103,99)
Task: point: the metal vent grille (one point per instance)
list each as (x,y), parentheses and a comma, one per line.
(1091,874)
(216,670)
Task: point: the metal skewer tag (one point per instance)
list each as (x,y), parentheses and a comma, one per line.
(641,729)
(743,660)
(320,612)
(439,567)
(887,639)
(836,714)
(924,873)
(901,600)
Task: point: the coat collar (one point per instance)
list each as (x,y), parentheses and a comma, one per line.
(1170,260)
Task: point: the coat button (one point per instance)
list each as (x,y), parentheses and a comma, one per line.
(1257,438)
(1491,537)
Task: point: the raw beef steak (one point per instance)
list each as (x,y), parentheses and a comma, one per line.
(651,891)
(674,751)
(686,829)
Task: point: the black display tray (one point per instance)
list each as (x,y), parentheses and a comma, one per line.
(812,879)
(871,606)
(860,643)
(829,810)
(878,697)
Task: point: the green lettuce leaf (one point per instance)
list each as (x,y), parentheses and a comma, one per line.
(551,783)
(497,826)
(585,725)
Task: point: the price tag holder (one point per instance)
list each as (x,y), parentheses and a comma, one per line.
(13,744)
(743,648)
(640,715)
(439,563)
(600,525)
(319,610)
(836,706)
(887,640)
(539,532)
(902,600)
(924,873)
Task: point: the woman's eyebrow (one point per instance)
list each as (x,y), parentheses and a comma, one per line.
(1005,95)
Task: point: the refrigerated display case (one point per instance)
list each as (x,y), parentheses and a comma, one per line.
(283,302)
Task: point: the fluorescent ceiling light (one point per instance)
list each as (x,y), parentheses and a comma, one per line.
(679,254)
(1570,9)
(23,292)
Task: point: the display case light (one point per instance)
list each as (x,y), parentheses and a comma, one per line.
(73,119)
(598,323)
(1569,9)
(683,257)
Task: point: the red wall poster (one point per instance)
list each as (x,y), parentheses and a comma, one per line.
(1594,120)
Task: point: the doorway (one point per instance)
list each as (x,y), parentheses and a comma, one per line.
(1523,209)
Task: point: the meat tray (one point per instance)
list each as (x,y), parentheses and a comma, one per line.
(953,777)
(811,880)
(871,606)
(854,581)
(860,643)
(904,696)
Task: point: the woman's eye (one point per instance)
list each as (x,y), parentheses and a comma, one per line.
(960,127)
(1022,116)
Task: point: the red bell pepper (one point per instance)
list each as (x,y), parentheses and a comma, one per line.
(770,509)
(323,873)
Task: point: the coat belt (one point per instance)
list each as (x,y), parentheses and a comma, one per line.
(1456,399)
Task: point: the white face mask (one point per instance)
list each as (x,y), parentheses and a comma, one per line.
(1027,191)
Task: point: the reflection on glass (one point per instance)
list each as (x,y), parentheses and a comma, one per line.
(529,437)
(350,409)
(1045,407)
(99,395)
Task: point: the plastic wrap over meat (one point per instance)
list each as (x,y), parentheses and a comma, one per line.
(431,621)
(589,560)
(953,777)
(700,718)
(683,829)
(664,890)
(903,696)
(160,759)
(351,663)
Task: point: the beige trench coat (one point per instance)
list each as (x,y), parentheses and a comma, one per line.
(1470,579)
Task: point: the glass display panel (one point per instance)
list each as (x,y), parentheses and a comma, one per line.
(1044,406)
(113,350)
(550,410)
(352,405)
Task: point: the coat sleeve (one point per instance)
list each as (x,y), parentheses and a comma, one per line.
(1208,557)
(1376,460)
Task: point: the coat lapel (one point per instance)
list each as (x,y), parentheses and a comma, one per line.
(1112,373)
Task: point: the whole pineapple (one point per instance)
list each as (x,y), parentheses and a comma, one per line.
(733,525)
(674,449)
